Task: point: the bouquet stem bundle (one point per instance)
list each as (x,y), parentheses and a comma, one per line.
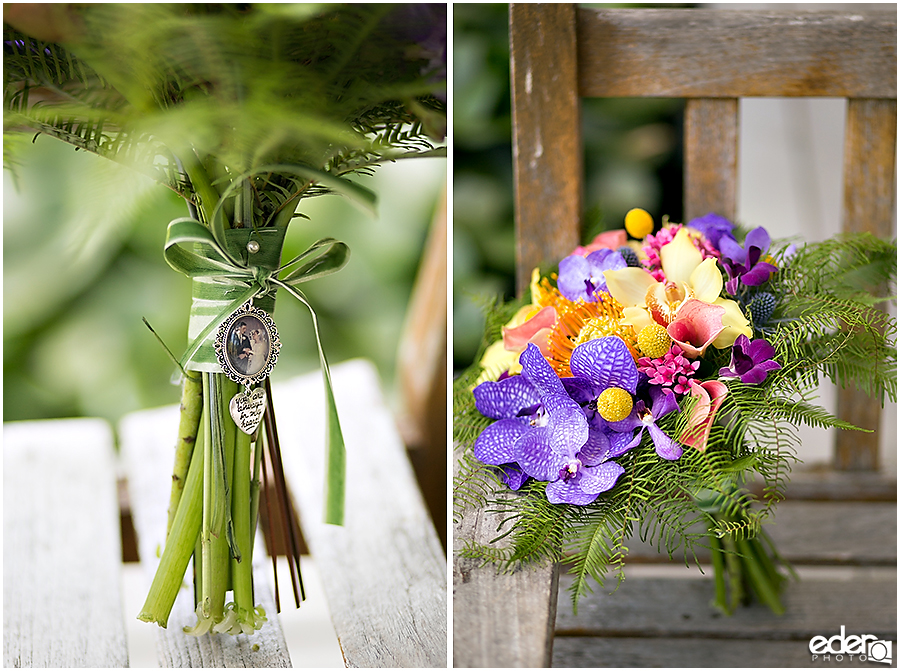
(214,520)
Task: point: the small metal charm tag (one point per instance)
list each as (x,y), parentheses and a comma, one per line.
(247,409)
(247,345)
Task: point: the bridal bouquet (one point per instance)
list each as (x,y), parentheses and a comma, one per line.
(650,378)
(244,111)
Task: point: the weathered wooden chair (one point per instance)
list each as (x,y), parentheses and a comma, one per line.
(560,53)
(384,571)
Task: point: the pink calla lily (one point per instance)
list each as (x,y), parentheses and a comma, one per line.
(710,395)
(696,326)
(534,329)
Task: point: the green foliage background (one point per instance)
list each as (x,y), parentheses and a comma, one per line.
(82,252)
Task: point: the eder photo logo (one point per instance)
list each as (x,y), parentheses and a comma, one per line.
(862,647)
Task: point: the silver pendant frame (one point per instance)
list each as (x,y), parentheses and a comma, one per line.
(240,365)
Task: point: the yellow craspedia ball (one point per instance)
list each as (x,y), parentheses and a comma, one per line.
(614,404)
(638,223)
(654,341)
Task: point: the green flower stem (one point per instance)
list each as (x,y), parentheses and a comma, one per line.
(255,483)
(189,423)
(241,564)
(734,572)
(718,563)
(179,544)
(214,543)
(757,577)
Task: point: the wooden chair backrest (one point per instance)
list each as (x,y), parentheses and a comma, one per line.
(561,53)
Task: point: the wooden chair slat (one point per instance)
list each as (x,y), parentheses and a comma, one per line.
(710,157)
(547,162)
(147,441)
(384,572)
(62,600)
(869,206)
(701,53)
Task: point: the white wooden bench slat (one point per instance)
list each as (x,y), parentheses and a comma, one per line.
(62,601)
(384,572)
(147,443)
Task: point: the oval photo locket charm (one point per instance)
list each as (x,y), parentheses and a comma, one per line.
(247,347)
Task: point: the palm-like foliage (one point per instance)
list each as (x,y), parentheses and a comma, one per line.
(200,95)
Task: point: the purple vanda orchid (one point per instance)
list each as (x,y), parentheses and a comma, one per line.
(662,402)
(743,264)
(515,404)
(751,361)
(581,277)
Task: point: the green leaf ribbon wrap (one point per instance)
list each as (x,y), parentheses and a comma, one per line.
(225,276)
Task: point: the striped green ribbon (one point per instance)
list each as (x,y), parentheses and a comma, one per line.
(225,276)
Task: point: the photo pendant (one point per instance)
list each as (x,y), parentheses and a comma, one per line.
(247,348)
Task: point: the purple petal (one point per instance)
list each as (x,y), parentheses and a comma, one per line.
(595,450)
(513,476)
(536,370)
(496,445)
(504,399)
(606,362)
(664,402)
(579,389)
(730,249)
(633,421)
(602,260)
(569,492)
(758,238)
(760,350)
(573,271)
(758,373)
(759,274)
(536,456)
(665,446)
(568,427)
(620,443)
(600,478)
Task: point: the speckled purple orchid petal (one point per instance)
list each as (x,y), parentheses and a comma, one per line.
(600,478)
(606,362)
(538,372)
(569,492)
(504,399)
(496,445)
(620,443)
(595,451)
(513,476)
(585,487)
(536,456)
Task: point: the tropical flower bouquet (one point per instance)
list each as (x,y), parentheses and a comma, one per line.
(653,377)
(244,111)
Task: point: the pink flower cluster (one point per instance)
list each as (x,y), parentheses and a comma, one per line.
(671,370)
(653,243)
